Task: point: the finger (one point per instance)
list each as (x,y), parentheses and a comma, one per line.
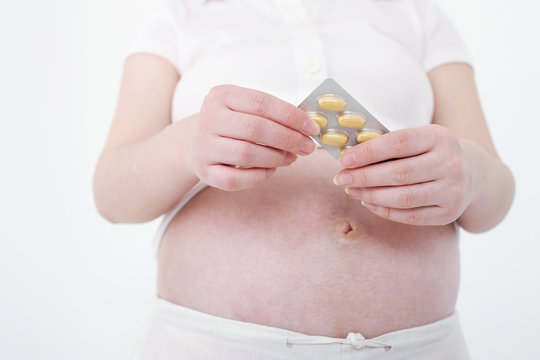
(400,197)
(412,170)
(245,154)
(265,105)
(428,215)
(259,130)
(392,145)
(232,179)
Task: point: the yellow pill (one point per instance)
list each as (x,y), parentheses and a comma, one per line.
(332,103)
(351,121)
(366,135)
(334,138)
(321,120)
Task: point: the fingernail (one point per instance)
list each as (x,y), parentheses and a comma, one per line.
(369,206)
(307,146)
(290,158)
(311,127)
(347,159)
(347,191)
(343,179)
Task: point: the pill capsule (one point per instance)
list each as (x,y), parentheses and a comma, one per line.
(366,135)
(351,121)
(331,102)
(321,120)
(334,138)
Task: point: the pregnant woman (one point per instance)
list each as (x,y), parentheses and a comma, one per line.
(270,248)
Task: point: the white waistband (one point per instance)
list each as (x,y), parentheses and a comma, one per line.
(178,332)
(200,322)
(356,340)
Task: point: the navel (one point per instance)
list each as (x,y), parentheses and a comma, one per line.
(348,229)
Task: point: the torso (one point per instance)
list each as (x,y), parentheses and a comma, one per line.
(298,253)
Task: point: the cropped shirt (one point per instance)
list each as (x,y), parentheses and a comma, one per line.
(380,51)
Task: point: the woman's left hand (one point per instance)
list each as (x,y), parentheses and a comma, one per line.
(419,176)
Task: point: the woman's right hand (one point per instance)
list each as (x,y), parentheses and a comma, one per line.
(242,135)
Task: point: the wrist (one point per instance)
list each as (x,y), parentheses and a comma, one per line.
(492,187)
(474,169)
(178,141)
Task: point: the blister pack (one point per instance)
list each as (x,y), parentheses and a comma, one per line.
(343,121)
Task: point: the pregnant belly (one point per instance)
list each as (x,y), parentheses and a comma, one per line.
(299,254)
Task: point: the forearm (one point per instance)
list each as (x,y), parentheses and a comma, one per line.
(141,181)
(493,188)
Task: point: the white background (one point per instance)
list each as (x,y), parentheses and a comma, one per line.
(73,286)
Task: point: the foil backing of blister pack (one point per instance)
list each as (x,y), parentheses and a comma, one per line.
(328,94)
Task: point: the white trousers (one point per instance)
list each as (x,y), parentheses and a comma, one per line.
(177,332)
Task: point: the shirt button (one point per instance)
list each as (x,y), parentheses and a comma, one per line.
(312,65)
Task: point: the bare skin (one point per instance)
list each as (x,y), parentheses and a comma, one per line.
(277,243)
(298,253)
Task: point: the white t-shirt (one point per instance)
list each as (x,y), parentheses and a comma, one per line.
(378,50)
